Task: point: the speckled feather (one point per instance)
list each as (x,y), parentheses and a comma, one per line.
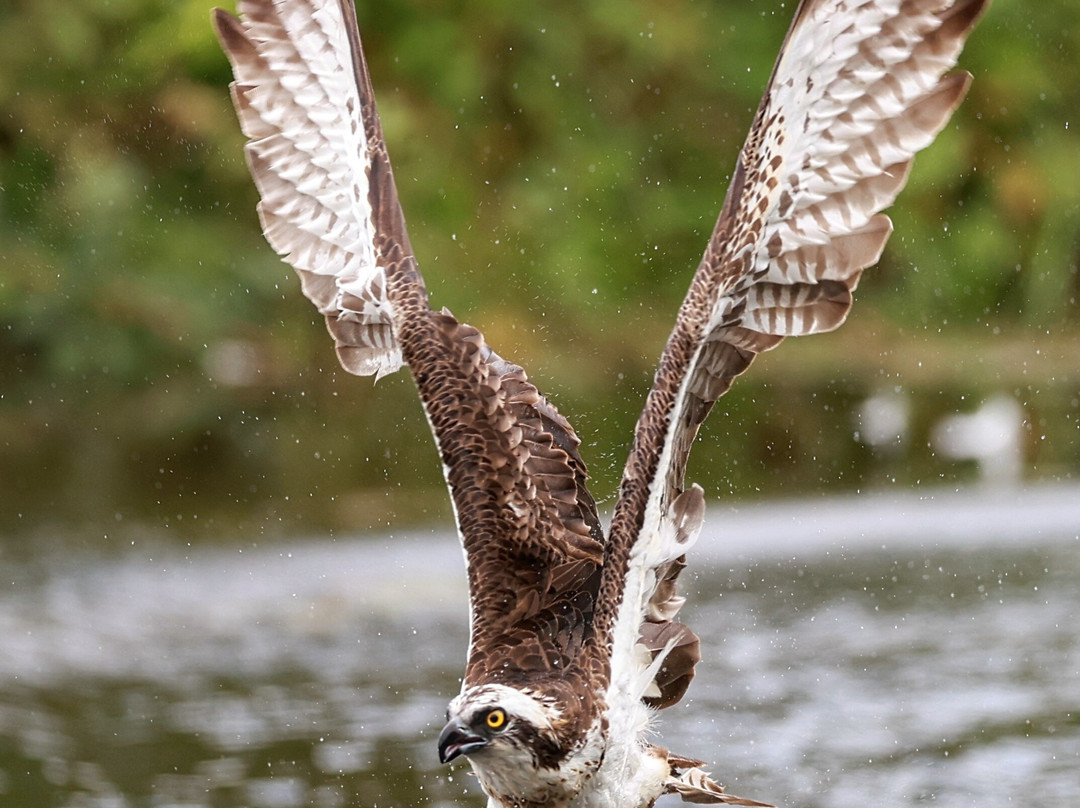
(581,628)
(858,88)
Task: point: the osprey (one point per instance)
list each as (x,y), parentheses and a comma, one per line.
(574,644)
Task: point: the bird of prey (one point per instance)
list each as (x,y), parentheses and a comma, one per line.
(574,644)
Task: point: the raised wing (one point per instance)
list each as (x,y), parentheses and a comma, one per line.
(533,542)
(859,87)
(532,539)
(317,156)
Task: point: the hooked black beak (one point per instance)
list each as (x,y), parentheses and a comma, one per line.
(457,739)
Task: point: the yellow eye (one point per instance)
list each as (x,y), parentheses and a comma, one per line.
(495,719)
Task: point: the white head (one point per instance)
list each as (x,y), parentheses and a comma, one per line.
(510,737)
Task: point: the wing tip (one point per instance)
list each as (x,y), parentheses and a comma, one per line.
(951,88)
(229,29)
(961,17)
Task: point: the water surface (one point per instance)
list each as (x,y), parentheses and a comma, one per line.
(847,667)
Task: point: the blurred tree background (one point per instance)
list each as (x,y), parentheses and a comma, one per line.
(561,166)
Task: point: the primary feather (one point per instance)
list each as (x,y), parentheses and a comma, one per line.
(573,637)
(309,153)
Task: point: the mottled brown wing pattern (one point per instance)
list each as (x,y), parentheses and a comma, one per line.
(532,539)
(554,464)
(329,206)
(859,87)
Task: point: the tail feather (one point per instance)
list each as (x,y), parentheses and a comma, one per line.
(695,786)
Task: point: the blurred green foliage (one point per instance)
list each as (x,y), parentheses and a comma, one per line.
(561,166)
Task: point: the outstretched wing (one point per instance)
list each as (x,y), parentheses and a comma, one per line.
(328,203)
(532,539)
(859,87)
(533,542)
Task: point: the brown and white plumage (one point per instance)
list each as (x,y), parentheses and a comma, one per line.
(573,640)
(299,96)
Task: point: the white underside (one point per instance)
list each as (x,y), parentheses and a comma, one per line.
(628,778)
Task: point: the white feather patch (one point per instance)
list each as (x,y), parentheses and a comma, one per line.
(297,100)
